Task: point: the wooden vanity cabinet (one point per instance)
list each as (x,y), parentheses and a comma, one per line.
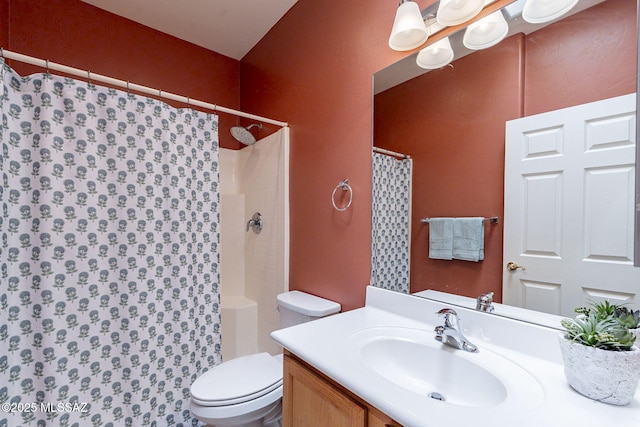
(378,419)
(311,399)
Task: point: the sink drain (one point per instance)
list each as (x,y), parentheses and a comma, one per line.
(437,396)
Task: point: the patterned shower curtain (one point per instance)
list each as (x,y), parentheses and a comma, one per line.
(109,213)
(391,223)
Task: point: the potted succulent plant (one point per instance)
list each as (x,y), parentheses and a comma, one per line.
(599,355)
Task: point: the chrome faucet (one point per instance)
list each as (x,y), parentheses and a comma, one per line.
(485,302)
(450,333)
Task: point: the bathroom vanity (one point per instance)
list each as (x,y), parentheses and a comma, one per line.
(382,366)
(311,398)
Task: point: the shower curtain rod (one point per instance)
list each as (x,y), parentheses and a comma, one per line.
(391,153)
(48,65)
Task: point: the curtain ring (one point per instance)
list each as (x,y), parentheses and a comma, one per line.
(47,72)
(160,94)
(344,184)
(2,52)
(188,103)
(89,76)
(128,90)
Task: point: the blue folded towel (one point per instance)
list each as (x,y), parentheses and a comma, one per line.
(468,239)
(441,238)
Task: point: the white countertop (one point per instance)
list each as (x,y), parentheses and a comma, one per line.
(324,345)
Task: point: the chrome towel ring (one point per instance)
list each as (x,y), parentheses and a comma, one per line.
(344,184)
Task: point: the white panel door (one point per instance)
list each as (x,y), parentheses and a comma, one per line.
(568,210)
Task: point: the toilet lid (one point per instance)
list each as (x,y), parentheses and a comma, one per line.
(238,380)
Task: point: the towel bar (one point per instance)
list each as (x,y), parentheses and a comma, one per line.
(491,220)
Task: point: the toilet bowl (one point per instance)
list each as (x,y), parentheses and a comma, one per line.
(247,391)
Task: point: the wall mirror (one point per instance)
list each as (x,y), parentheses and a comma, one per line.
(451,121)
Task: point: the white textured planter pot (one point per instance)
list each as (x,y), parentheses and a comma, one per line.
(607,376)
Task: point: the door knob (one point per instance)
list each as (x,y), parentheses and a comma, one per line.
(512,266)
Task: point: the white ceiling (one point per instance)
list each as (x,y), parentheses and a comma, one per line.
(229,27)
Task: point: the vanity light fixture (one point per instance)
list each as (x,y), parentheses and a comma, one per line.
(409,30)
(541,11)
(436,55)
(487,32)
(455,12)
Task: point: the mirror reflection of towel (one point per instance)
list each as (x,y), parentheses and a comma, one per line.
(468,239)
(441,238)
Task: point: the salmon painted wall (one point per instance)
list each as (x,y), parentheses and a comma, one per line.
(4,23)
(596,51)
(314,70)
(79,35)
(458,141)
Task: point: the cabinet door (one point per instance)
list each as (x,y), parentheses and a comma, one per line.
(378,419)
(311,401)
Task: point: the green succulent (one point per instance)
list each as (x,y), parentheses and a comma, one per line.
(628,318)
(601,332)
(602,309)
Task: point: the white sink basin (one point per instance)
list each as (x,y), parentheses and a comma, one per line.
(414,360)
(386,354)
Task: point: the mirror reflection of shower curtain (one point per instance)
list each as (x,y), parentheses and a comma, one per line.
(391,222)
(109,234)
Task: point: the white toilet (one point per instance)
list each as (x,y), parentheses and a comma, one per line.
(247,391)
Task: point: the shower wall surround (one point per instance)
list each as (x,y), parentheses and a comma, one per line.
(255,179)
(239,314)
(109,283)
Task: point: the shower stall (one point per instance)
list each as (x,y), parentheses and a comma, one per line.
(254,267)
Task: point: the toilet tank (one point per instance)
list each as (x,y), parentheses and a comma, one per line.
(299,307)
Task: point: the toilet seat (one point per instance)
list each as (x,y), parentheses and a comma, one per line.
(237,381)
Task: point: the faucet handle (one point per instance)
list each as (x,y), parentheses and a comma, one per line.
(446,311)
(450,317)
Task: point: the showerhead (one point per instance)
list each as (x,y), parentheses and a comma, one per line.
(244,135)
